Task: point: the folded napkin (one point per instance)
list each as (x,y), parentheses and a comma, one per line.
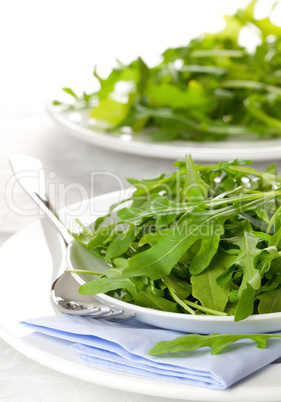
(124,347)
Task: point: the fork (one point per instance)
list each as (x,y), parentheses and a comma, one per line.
(35,187)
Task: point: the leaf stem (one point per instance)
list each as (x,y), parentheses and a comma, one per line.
(204,309)
(272,220)
(81,271)
(181,302)
(186,304)
(251,85)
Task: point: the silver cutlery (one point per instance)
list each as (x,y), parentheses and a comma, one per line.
(35,187)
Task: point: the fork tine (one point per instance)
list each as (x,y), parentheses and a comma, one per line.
(126,317)
(112,314)
(73,307)
(107,313)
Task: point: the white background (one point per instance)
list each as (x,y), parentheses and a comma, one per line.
(49,44)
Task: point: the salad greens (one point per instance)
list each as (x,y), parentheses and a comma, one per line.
(204,239)
(209,90)
(217,342)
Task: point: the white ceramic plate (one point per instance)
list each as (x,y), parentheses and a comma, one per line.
(78,124)
(29,262)
(79,258)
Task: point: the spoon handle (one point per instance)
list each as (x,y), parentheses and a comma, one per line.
(30,173)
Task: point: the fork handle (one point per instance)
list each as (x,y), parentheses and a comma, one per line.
(30,173)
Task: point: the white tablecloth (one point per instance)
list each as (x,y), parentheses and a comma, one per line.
(21,379)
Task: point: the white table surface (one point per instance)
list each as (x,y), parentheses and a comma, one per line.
(51,44)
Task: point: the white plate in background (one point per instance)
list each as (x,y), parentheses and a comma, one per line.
(77,123)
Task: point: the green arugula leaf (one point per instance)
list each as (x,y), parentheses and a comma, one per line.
(110,111)
(247,259)
(144,73)
(120,244)
(101,236)
(70,92)
(105,285)
(195,189)
(171,244)
(247,242)
(217,342)
(179,286)
(146,298)
(270,302)
(111,281)
(168,95)
(205,286)
(245,305)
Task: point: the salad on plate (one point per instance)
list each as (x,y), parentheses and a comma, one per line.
(212,89)
(203,240)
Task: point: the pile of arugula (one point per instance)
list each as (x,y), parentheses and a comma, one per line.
(204,239)
(209,90)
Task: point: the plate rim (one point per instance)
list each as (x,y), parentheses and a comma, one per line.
(168,150)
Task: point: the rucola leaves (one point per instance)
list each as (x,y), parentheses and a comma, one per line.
(169,246)
(251,278)
(270,302)
(208,90)
(202,240)
(217,342)
(205,287)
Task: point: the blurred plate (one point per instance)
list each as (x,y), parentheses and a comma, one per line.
(77,123)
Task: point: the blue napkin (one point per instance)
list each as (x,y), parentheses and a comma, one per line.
(124,346)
